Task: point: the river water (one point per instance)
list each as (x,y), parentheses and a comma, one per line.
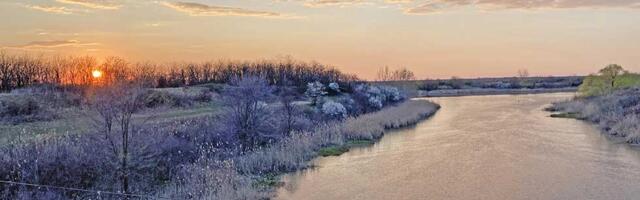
(479,147)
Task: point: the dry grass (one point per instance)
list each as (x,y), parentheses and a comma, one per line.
(615,113)
(372,126)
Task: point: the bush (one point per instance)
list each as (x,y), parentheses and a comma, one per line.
(333,89)
(153,99)
(25,108)
(429,85)
(372,98)
(334,111)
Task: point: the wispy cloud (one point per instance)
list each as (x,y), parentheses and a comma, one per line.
(198,9)
(51,9)
(95,4)
(398,1)
(341,3)
(428,7)
(54,44)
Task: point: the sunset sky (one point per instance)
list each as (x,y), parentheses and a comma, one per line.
(434,38)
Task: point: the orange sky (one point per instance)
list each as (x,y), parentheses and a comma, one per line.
(434,38)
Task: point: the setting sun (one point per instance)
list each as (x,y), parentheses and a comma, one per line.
(96,73)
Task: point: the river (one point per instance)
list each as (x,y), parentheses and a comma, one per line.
(479,147)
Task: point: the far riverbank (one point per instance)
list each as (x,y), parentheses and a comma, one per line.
(491,91)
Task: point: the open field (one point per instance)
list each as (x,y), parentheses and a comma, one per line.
(78,122)
(74,120)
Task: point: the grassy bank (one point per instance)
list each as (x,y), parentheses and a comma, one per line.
(615,113)
(244,177)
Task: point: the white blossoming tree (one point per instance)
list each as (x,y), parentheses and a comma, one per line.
(315,90)
(334,110)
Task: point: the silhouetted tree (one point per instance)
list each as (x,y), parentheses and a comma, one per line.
(115,105)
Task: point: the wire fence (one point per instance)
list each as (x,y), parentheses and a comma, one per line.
(95,192)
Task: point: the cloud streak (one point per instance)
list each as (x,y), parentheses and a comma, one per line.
(323,3)
(94,4)
(198,9)
(51,9)
(53,44)
(428,7)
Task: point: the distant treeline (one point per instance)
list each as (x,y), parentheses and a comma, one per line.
(17,71)
(502,83)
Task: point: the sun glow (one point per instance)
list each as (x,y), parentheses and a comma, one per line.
(96,73)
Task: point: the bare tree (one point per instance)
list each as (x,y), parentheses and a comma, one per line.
(287,97)
(247,100)
(523,73)
(402,74)
(115,105)
(384,74)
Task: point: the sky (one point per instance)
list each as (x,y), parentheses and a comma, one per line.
(433,38)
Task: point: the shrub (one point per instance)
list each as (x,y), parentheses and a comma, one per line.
(334,111)
(153,99)
(372,98)
(333,89)
(350,105)
(25,108)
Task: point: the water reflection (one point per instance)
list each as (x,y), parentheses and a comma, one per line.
(482,147)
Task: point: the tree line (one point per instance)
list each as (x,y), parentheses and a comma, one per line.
(17,71)
(402,74)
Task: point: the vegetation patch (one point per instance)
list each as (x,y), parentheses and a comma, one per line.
(570,115)
(339,150)
(333,150)
(360,143)
(268,181)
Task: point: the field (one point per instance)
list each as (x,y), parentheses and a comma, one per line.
(75,120)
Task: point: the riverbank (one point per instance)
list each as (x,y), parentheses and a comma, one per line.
(491,91)
(256,175)
(616,114)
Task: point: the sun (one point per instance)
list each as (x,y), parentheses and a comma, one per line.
(96,73)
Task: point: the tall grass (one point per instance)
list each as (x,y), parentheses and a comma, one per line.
(372,126)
